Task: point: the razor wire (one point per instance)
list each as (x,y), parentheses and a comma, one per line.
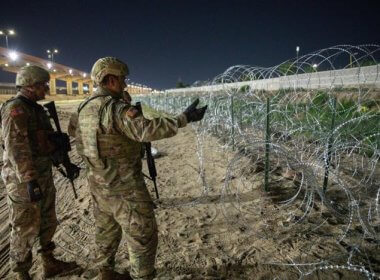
(324,123)
(324,132)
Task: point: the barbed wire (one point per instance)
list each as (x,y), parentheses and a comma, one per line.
(308,130)
(324,126)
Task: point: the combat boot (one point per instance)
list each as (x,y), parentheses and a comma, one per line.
(23,275)
(109,274)
(53,267)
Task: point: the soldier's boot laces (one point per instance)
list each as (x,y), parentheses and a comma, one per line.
(53,267)
(109,274)
(23,276)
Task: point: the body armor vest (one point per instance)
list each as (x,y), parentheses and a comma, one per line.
(39,126)
(99,139)
(113,160)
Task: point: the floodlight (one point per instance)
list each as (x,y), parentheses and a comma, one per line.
(13,55)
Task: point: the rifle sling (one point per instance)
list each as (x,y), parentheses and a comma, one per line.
(81,106)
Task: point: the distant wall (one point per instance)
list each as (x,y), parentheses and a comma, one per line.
(58,97)
(368,76)
(9,88)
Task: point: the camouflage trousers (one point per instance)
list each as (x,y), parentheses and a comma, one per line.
(29,220)
(115,215)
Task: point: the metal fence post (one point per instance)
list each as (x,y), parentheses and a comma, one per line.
(232,122)
(329,146)
(267,146)
(240,115)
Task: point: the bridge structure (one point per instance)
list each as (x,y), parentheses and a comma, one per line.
(11,61)
(76,80)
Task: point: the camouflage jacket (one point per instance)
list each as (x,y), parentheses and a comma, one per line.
(110,135)
(25,131)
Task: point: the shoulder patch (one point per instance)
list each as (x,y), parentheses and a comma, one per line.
(16,111)
(132,112)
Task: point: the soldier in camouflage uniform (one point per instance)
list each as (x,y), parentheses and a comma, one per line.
(110,133)
(27,174)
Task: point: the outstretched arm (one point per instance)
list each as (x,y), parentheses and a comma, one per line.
(132,123)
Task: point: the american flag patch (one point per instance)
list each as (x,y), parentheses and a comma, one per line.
(16,112)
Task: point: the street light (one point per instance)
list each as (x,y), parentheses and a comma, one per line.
(51,54)
(297,51)
(7,33)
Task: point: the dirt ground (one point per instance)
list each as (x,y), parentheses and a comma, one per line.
(205,230)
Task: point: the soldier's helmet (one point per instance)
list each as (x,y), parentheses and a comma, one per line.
(30,75)
(108,66)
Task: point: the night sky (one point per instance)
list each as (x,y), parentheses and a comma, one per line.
(163,41)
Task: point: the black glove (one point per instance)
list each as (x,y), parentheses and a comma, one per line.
(34,191)
(193,114)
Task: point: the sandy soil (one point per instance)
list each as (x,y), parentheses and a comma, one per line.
(205,230)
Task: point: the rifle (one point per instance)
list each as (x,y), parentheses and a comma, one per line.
(61,157)
(151,166)
(149,159)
